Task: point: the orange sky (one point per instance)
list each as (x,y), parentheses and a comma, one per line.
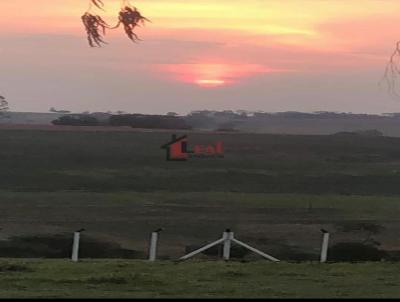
(202,48)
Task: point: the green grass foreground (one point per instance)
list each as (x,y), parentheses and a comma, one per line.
(140,279)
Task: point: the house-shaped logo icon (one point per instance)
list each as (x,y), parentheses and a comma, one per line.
(177,149)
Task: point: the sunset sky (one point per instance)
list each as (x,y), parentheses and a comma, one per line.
(302,55)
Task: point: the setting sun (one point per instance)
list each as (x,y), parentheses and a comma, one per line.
(210,75)
(210,83)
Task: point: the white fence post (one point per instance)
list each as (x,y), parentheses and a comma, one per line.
(153,246)
(228,236)
(227,239)
(325,246)
(75,247)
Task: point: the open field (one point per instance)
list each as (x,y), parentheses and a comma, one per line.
(274,191)
(33,160)
(136,279)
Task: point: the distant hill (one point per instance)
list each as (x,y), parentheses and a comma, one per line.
(388,126)
(365,133)
(300,123)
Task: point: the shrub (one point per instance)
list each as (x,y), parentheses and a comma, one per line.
(149,121)
(76,120)
(60,246)
(355,252)
(9,267)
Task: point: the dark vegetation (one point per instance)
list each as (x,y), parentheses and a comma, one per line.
(356,252)
(131,120)
(77,120)
(59,246)
(149,121)
(260,122)
(373,132)
(3,104)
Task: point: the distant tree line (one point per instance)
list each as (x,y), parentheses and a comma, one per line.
(130,120)
(54,110)
(3,104)
(149,121)
(245,114)
(77,120)
(226,120)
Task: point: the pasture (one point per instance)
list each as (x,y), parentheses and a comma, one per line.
(274,191)
(136,279)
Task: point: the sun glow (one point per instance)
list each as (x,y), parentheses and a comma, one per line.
(213,75)
(210,83)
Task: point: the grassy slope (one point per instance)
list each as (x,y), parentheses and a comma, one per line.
(265,220)
(269,187)
(133,279)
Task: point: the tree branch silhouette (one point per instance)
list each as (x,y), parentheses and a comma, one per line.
(96,28)
(392,72)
